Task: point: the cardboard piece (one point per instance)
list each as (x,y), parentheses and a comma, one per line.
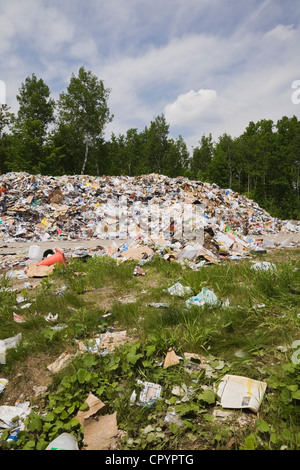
(61,362)
(171,359)
(101,432)
(138,253)
(38,271)
(95,405)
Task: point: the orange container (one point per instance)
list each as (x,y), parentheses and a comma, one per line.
(57,258)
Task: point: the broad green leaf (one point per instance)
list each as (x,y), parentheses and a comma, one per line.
(83,376)
(296,395)
(262,425)
(250,442)
(35,424)
(208,396)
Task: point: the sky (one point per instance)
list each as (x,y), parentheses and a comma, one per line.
(209,66)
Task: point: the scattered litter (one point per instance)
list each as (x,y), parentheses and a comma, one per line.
(221,415)
(172,417)
(282,349)
(39,390)
(34,270)
(9,343)
(127,299)
(264,266)
(196,363)
(94,406)
(101,432)
(240,353)
(25,306)
(3,384)
(158,305)
(183,392)
(105,343)
(59,327)
(9,414)
(171,359)
(179,289)
(296,354)
(35,253)
(18,318)
(241,392)
(148,396)
(60,363)
(64,442)
(205,297)
(139,271)
(259,306)
(51,318)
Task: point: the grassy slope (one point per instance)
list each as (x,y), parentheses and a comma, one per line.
(244,338)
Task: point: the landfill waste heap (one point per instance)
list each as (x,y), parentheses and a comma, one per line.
(177,218)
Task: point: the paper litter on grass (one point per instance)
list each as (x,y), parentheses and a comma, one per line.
(241,392)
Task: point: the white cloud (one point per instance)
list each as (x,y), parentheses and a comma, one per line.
(281,32)
(2,92)
(190,107)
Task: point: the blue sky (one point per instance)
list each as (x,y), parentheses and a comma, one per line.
(210,66)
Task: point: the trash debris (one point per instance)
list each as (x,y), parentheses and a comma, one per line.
(9,415)
(158,305)
(51,318)
(60,363)
(101,432)
(264,266)
(138,253)
(94,406)
(148,396)
(57,258)
(105,343)
(171,359)
(127,299)
(18,318)
(183,392)
(196,363)
(9,343)
(64,441)
(140,216)
(172,417)
(241,392)
(221,415)
(3,384)
(179,289)
(35,253)
(35,270)
(139,271)
(205,297)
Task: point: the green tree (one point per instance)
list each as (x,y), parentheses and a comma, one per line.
(157,144)
(177,158)
(202,157)
(6,118)
(30,128)
(83,112)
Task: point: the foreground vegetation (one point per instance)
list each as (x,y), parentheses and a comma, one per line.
(251,333)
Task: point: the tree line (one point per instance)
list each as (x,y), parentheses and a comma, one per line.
(66,136)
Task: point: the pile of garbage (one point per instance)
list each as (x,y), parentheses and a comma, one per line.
(176,214)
